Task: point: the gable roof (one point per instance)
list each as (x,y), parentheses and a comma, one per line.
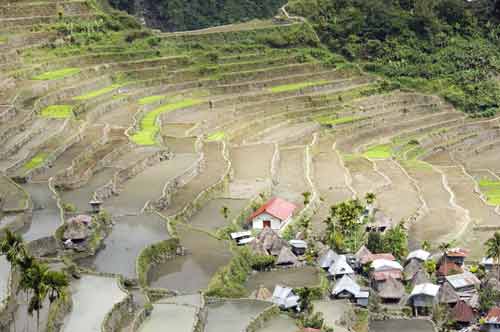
(391,290)
(462,312)
(425,289)
(262,294)
(284,296)
(363,252)
(465,279)
(373,257)
(385,264)
(419,254)
(447,294)
(328,258)
(286,256)
(457,252)
(340,266)
(384,275)
(346,284)
(276,207)
(412,268)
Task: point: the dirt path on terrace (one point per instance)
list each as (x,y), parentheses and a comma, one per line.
(400,190)
(364,178)
(330,180)
(291,175)
(442,218)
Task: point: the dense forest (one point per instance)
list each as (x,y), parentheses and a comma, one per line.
(178,15)
(450,47)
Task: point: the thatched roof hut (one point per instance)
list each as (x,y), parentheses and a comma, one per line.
(447,294)
(463,313)
(421,277)
(77,230)
(286,257)
(262,294)
(257,247)
(391,290)
(271,241)
(362,253)
(411,269)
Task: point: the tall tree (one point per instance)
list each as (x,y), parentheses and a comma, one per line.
(493,250)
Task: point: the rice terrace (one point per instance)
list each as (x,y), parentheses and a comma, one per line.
(280,168)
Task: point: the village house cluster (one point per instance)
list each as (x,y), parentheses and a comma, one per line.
(421,282)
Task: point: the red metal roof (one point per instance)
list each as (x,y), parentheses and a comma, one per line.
(462,312)
(276,207)
(370,258)
(493,315)
(448,269)
(457,252)
(384,275)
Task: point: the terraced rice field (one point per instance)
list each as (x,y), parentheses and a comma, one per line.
(167,129)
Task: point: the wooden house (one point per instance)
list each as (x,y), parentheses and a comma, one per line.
(340,267)
(423,297)
(299,247)
(457,256)
(462,314)
(492,321)
(391,290)
(464,282)
(274,214)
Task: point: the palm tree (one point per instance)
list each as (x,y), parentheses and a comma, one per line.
(12,247)
(493,250)
(444,247)
(370,198)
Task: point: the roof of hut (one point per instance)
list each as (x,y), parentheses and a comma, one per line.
(425,289)
(286,256)
(447,294)
(257,247)
(462,312)
(277,207)
(421,277)
(262,293)
(340,266)
(466,279)
(76,229)
(411,269)
(346,284)
(373,257)
(457,252)
(328,258)
(493,316)
(391,289)
(271,241)
(363,252)
(419,254)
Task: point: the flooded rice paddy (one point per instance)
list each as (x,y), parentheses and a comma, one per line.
(294,277)
(192,272)
(281,323)
(396,325)
(4,277)
(178,318)
(233,315)
(93,297)
(46,214)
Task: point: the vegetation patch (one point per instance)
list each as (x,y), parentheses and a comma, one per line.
(155,254)
(492,190)
(57,74)
(36,161)
(331,121)
(57,112)
(296,86)
(148,125)
(383,151)
(150,99)
(97,93)
(215,137)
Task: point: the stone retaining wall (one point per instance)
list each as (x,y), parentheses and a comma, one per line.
(58,311)
(259,321)
(119,313)
(155,254)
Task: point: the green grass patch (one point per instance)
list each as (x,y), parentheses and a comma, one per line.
(383,151)
(296,86)
(491,189)
(330,121)
(57,74)
(217,136)
(97,93)
(148,126)
(36,161)
(150,99)
(57,111)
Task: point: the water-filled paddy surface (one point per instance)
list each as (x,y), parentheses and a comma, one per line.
(281,323)
(148,185)
(396,325)
(172,317)
(306,276)
(210,216)
(232,316)
(93,297)
(81,197)
(128,237)
(4,277)
(46,216)
(192,272)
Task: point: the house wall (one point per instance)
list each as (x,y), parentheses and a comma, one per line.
(423,301)
(258,222)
